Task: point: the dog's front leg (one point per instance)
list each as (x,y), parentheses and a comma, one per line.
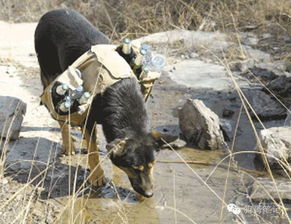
(97,177)
(68,141)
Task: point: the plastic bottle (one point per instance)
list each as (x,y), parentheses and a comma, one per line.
(62,89)
(79,73)
(157,63)
(144,73)
(65,105)
(126,46)
(77,93)
(84,98)
(138,61)
(148,55)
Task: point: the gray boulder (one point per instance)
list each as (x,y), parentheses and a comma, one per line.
(12,111)
(276,142)
(200,126)
(281,86)
(264,189)
(264,105)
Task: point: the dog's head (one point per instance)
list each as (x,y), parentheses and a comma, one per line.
(136,157)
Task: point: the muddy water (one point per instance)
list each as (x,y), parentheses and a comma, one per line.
(176,188)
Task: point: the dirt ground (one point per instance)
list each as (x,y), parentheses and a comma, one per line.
(42,186)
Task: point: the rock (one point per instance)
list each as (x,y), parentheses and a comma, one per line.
(288,118)
(265,107)
(189,73)
(4,181)
(227,113)
(261,73)
(264,186)
(243,66)
(266,36)
(214,41)
(281,85)
(250,27)
(276,142)
(177,144)
(169,132)
(288,67)
(194,55)
(226,129)
(200,126)
(257,55)
(251,41)
(12,111)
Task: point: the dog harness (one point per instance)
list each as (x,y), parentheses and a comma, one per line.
(95,70)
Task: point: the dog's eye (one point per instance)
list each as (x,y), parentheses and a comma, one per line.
(140,168)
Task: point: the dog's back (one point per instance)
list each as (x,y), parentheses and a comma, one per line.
(61,37)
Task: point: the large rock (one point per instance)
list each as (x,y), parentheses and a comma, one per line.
(276,142)
(12,111)
(281,86)
(200,126)
(214,41)
(264,189)
(264,105)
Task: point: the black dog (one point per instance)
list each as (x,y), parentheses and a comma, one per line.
(60,38)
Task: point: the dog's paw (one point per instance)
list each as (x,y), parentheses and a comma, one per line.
(99,182)
(69,149)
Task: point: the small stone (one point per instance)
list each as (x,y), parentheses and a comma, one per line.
(250,41)
(4,181)
(194,55)
(266,35)
(226,127)
(243,66)
(227,113)
(288,67)
(177,144)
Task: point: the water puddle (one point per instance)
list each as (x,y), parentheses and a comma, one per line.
(176,194)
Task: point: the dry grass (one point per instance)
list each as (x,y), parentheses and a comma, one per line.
(138,17)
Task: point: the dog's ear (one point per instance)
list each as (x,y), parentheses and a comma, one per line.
(116,147)
(156,135)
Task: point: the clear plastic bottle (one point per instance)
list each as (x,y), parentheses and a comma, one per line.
(138,61)
(148,56)
(65,105)
(79,73)
(126,46)
(157,63)
(154,63)
(144,73)
(77,93)
(84,98)
(62,89)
